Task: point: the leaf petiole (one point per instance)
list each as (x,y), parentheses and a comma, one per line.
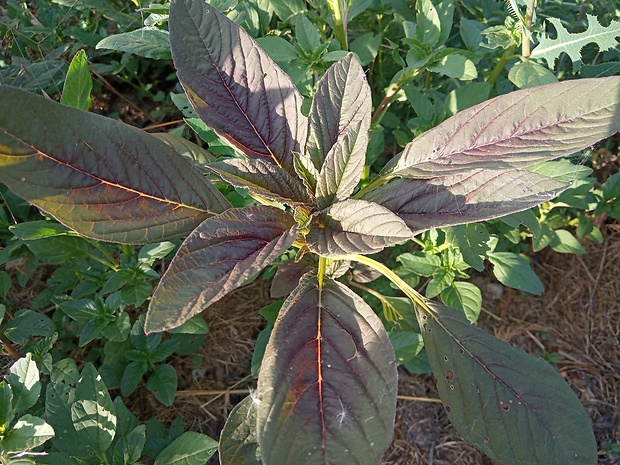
(415,297)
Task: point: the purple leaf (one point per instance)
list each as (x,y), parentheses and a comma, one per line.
(342,101)
(516,130)
(234,86)
(104,179)
(355,227)
(464,197)
(327,385)
(514,407)
(217,257)
(263,178)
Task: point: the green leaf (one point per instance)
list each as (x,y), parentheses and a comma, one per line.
(442,279)
(264,179)
(188,449)
(550,49)
(423,264)
(65,371)
(456,66)
(406,344)
(6,406)
(259,348)
(134,371)
(235,87)
(78,83)
(27,433)
(327,386)
(514,407)
(515,130)
(428,25)
(565,242)
(513,270)
(66,168)
(92,412)
(526,218)
(306,34)
(238,441)
(464,296)
(286,9)
(195,325)
(231,248)
(529,74)
(25,384)
(461,198)
(366,47)
(466,96)
(163,383)
(341,104)
(145,42)
(472,240)
(355,226)
(26,324)
(132,445)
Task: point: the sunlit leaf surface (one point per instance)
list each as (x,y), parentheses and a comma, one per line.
(355,226)
(516,130)
(102,178)
(327,385)
(234,86)
(464,197)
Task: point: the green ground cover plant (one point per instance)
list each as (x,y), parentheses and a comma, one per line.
(303,186)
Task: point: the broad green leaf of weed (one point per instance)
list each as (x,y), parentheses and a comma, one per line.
(78,83)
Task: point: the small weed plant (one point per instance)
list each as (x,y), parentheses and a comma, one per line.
(327,366)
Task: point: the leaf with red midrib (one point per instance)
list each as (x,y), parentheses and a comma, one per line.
(234,86)
(104,179)
(327,385)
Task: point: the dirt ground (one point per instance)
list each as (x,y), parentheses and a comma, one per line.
(575,323)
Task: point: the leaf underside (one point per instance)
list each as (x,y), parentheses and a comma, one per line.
(104,179)
(516,130)
(464,197)
(234,86)
(327,385)
(514,407)
(217,257)
(238,442)
(355,227)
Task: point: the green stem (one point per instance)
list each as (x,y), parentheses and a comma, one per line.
(377,182)
(322,270)
(340,28)
(391,93)
(111,262)
(415,297)
(499,67)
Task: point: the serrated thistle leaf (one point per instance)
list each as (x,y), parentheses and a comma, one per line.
(550,49)
(342,103)
(263,178)
(516,130)
(343,166)
(234,86)
(104,179)
(514,407)
(217,257)
(355,227)
(238,442)
(327,385)
(464,197)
